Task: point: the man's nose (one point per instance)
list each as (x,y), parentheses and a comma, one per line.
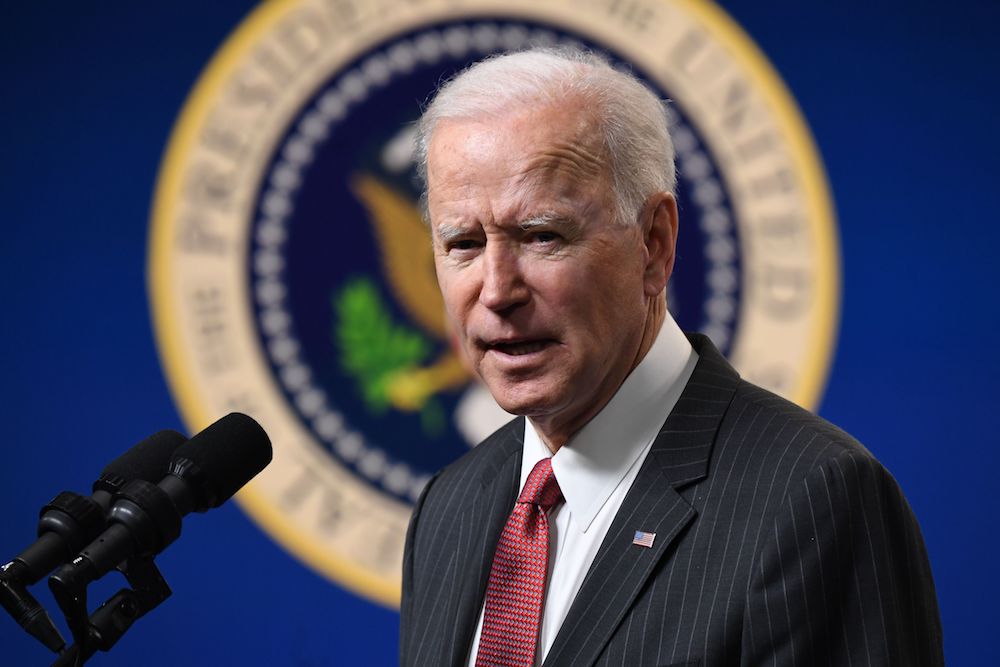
(503,286)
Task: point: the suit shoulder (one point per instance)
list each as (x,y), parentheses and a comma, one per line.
(781,428)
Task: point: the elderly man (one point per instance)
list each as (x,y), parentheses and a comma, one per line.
(650,507)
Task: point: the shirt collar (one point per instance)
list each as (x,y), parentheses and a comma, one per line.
(596,459)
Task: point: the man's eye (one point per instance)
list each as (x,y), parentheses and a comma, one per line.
(463,244)
(544,237)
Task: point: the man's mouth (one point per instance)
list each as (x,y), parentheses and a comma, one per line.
(519,348)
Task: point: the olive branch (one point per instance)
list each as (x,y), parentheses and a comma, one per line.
(373,348)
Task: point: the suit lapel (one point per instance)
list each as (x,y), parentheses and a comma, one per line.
(679,455)
(481,524)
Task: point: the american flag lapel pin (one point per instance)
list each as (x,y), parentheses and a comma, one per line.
(643,539)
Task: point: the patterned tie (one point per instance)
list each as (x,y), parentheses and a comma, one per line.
(517,580)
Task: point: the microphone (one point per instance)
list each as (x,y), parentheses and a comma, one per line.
(68,522)
(203,473)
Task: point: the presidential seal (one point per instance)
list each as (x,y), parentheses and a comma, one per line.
(292,278)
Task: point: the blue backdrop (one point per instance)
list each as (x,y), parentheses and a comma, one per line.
(902,100)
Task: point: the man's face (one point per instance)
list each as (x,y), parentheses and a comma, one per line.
(545,291)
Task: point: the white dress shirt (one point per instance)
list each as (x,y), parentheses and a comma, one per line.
(595,470)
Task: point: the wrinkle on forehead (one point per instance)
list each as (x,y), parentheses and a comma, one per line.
(573,147)
(575,160)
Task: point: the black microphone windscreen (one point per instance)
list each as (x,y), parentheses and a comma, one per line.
(147,460)
(226,455)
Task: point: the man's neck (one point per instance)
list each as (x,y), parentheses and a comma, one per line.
(556,435)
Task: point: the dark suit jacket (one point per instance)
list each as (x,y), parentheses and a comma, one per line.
(779,540)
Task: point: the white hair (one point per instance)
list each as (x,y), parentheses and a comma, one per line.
(632,118)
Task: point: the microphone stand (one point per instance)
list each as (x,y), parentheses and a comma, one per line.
(25,609)
(102,630)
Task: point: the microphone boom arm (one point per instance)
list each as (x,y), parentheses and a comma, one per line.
(102,629)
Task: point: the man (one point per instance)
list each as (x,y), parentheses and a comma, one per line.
(668,513)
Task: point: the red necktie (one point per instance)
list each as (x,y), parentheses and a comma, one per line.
(517,580)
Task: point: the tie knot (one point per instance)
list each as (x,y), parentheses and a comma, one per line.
(541,489)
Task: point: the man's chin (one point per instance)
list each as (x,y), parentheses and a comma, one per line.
(525,398)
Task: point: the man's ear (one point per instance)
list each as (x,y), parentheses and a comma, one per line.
(659,231)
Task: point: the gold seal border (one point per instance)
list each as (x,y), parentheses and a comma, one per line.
(160,277)
(184,136)
(822,217)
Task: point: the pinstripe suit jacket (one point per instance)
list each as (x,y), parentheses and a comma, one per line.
(779,540)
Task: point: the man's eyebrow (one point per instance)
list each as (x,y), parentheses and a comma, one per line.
(546,220)
(447,233)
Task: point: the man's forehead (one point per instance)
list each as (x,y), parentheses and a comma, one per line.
(566,126)
(544,146)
